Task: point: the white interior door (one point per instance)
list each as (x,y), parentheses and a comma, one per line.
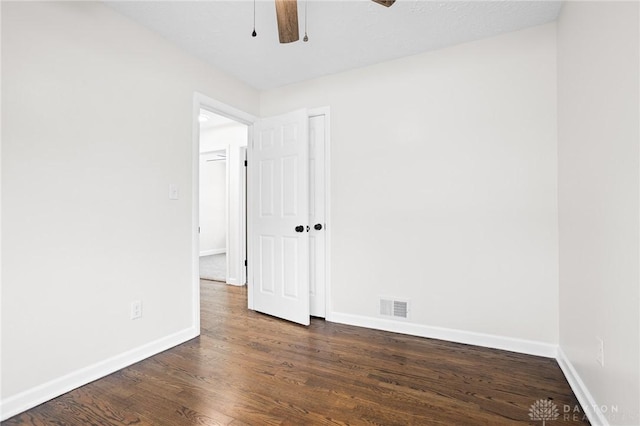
(278,169)
(317,216)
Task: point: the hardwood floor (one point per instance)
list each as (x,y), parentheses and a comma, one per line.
(251,369)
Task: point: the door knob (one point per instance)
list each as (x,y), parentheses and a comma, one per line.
(317,226)
(299,228)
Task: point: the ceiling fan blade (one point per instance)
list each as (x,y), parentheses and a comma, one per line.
(287,15)
(386,3)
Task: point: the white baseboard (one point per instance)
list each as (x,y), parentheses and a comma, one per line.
(529,347)
(212,251)
(581,391)
(23,401)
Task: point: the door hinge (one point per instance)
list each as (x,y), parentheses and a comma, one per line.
(245,262)
(245,163)
(198,229)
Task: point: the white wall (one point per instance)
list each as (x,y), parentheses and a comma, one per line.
(97,122)
(444,188)
(599,184)
(233,138)
(213,204)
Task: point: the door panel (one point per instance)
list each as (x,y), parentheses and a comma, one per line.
(266,278)
(266,188)
(279,261)
(289,186)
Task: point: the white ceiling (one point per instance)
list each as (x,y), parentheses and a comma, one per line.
(342,34)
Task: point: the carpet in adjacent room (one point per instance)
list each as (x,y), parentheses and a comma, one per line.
(214,267)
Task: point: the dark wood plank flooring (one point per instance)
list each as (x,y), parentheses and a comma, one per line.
(251,369)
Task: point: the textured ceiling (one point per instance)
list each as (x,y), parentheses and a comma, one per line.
(342,34)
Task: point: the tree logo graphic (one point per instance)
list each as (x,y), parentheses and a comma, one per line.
(545,410)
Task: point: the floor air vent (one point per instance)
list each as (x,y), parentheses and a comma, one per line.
(394,308)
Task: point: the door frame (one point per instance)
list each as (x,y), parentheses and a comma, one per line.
(201,101)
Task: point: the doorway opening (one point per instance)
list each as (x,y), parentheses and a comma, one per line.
(222,188)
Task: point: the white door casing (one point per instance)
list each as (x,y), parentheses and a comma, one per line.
(278,203)
(317,216)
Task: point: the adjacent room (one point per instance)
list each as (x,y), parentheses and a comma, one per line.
(320,212)
(222,198)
